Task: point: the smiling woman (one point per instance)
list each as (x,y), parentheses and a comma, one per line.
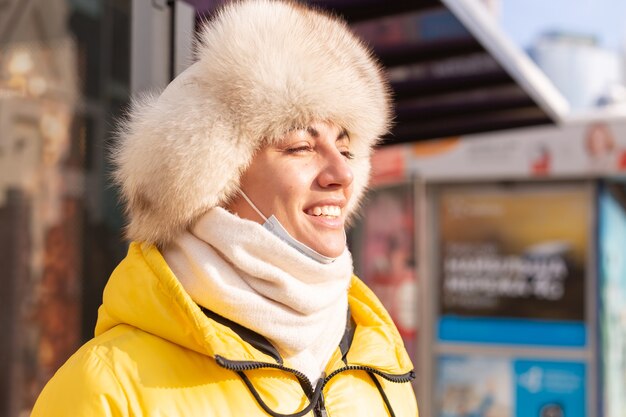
(305,181)
(237,296)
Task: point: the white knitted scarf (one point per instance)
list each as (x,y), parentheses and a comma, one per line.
(239,270)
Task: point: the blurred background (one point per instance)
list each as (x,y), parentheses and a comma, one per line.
(494,232)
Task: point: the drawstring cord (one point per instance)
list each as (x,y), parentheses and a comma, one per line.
(312,402)
(315,397)
(382,394)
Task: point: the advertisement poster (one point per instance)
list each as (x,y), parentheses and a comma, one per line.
(383,247)
(471,386)
(549,388)
(476,386)
(612,242)
(512,264)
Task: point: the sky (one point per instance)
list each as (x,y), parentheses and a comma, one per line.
(524,20)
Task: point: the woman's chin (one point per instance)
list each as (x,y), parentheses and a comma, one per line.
(317,234)
(331,247)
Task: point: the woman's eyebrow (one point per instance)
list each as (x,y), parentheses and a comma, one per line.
(312,131)
(315,133)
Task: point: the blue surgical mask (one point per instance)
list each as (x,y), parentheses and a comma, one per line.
(273,225)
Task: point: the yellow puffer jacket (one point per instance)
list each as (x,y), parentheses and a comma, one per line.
(156,353)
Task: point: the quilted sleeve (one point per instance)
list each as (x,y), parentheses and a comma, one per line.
(84,386)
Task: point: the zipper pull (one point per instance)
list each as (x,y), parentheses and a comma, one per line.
(321,407)
(320,410)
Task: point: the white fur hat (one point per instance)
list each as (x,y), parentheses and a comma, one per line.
(263,67)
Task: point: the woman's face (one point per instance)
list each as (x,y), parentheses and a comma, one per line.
(305,181)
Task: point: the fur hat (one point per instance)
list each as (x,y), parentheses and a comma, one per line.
(263,68)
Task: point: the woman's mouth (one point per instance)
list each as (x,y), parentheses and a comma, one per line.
(330,211)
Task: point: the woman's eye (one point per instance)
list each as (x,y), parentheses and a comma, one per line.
(348,154)
(298,149)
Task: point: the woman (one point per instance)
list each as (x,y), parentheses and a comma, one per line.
(237,296)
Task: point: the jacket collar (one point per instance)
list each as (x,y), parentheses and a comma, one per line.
(263,345)
(144,293)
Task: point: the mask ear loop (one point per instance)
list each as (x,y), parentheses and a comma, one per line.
(252,205)
(345,236)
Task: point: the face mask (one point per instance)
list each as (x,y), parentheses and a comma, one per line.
(273,225)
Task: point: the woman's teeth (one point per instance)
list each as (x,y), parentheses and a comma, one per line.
(328,211)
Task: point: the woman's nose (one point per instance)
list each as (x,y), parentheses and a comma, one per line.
(336,171)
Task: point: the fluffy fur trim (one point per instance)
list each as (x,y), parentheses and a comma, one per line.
(263,67)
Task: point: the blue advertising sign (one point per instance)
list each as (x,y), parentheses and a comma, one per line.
(549,389)
(512,331)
